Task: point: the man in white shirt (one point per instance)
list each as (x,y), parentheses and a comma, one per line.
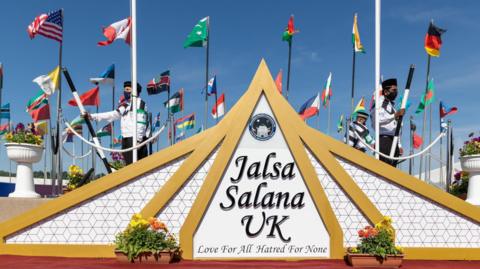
(388,119)
(125,114)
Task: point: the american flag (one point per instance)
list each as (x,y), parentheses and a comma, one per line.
(49,25)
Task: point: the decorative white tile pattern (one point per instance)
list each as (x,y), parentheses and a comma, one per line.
(419,222)
(350,218)
(177,209)
(97,220)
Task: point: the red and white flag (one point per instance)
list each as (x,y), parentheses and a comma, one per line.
(219,108)
(117,30)
(89,98)
(49,25)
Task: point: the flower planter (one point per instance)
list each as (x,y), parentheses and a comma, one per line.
(367,260)
(163,257)
(471,164)
(25,155)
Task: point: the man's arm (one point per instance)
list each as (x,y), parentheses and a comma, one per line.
(107,116)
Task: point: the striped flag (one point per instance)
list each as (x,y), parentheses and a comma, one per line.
(107,77)
(433,40)
(327,91)
(357,44)
(186,122)
(5,111)
(219,108)
(36,102)
(49,25)
(175,104)
(290,31)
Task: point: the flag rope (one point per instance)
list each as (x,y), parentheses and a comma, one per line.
(73,155)
(442,134)
(110,149)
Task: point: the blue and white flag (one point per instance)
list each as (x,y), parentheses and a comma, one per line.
(212,86)
(107,77)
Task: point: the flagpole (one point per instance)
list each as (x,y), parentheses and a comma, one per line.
(289,62)
(56,137)
(429,154)
(328,125)
(113,108)
(377,74)
(412,132)
(420,172)
(353,78)
(448,176)
(134,75)
(216,100)
(206,74)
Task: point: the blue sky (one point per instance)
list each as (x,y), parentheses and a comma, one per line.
(242,33)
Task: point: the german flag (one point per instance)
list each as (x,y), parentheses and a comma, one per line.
(433,40)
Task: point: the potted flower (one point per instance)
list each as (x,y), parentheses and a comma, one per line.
(470,162)
(25,148)
(75,176)
(117,161)
(377,247)
(459,186)
(146,241)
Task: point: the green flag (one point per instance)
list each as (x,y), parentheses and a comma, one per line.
(340,124)
(198,37)
(36,102)
(427,98)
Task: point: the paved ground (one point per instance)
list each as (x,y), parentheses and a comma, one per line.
(21,262)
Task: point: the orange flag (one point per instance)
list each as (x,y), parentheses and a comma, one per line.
(278,81)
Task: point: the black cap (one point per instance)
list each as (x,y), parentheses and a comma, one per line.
(362,113)
(128,83)
(389,82)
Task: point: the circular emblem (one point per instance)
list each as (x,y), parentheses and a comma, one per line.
(262,127)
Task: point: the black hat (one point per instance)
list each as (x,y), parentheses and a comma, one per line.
(128,83)
(389,82)
(362,113)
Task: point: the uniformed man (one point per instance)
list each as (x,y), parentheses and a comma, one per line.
(357,130)
(388,120)
(125,114)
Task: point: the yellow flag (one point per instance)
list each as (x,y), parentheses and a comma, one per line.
(49,83)
(357,44)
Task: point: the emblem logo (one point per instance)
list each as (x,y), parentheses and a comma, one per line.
(262,127)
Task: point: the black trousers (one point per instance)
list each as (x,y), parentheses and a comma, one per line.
(142,152)
(385,147)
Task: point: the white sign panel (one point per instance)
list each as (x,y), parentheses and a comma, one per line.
(262,207)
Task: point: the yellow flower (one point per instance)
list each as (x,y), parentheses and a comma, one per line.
(8,136)
(399,249)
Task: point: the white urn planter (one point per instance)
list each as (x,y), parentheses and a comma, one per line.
(25,155)
(471,164)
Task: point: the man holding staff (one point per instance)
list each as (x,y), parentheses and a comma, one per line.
(124,112)
(388,119)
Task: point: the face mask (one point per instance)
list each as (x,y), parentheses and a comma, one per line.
(127,95)
(392,96)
